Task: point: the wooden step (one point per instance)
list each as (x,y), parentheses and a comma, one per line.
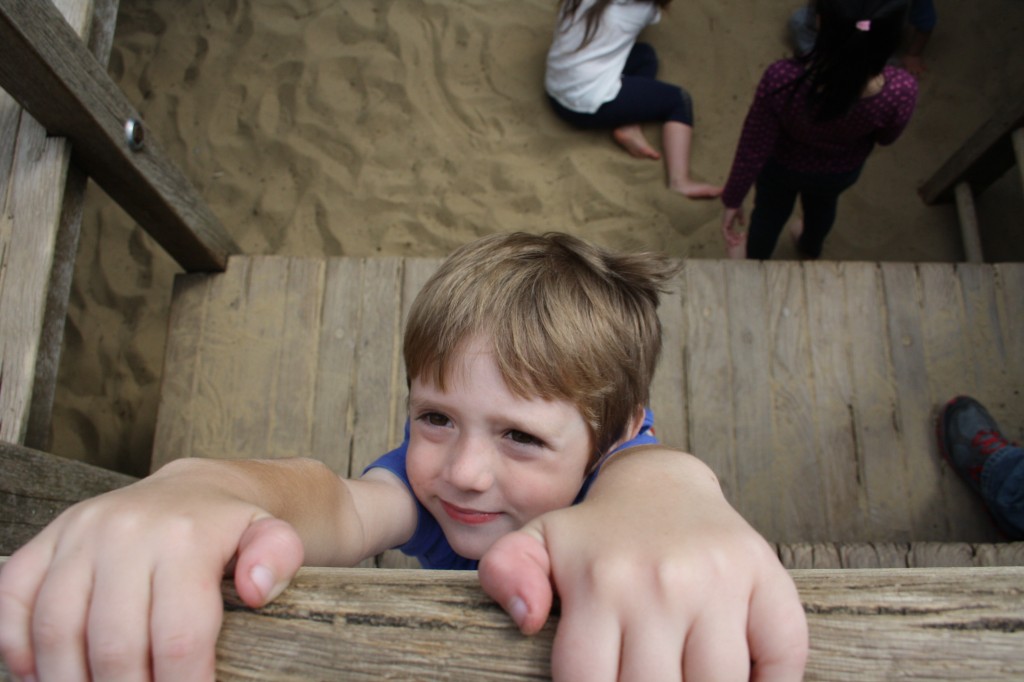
(810,388)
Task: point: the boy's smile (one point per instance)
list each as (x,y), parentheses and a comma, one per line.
(484,461)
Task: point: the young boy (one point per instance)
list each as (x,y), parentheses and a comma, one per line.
(529,360)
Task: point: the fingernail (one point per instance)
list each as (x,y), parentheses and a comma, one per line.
(265,583)
(517,609)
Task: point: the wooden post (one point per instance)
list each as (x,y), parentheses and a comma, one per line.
(45,66)
(968,223)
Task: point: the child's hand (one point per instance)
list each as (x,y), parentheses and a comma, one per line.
(659,579)
(732,218)
(129,582)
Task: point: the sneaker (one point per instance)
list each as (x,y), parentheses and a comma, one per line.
(967,436)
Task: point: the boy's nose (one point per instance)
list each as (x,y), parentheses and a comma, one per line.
(469,465)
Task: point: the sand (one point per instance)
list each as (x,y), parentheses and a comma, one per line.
(407,127)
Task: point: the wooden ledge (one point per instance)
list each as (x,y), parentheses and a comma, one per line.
(371,624)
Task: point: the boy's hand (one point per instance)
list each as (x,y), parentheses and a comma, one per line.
(659,579)
(129,582)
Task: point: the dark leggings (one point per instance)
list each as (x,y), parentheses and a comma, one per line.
(641,99)
(776,193)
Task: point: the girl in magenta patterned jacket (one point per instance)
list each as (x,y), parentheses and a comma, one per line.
(813,123)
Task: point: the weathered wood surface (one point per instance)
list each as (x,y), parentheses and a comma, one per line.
(357,624)
(810,388)
(949,624)
(36,486)
(50,72)
(38,227)
(37,435)
(984,157)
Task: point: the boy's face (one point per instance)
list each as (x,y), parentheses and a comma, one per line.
(484,461)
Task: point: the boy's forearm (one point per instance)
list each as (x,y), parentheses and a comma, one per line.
(302,492)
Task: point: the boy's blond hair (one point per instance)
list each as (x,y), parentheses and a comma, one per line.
(566,320)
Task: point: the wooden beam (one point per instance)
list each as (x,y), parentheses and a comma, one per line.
(36,486)
(983,158)
(968,223)
(51,73)
(386,624)
(372,624)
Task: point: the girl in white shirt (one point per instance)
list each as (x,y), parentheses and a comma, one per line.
(598,76)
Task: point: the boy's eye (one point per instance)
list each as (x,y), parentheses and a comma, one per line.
(523,438)
(435,419)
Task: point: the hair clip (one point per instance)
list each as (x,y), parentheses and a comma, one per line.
(863,25)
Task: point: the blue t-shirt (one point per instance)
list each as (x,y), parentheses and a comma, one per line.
(428,543)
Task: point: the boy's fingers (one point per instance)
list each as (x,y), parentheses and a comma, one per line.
(118,621)
(516,573)
(777,631)
(185,618)
(269,554)
(20,580)
(58,619)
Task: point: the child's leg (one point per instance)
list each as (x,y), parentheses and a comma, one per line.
(774,198)
(820,199)
(676,139)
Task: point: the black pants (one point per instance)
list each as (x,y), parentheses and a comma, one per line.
(775,196)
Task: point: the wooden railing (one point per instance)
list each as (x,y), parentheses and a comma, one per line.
(73,126)
(992,150)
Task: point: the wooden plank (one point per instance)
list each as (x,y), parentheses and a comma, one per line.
(801,516)
(832,401)
(752,396)
(335,379)
(31,219)
(1010,277)
(949,624)
(36,486)
(984,157)
(34,180)
(377,351)
(54,77)
(874,407)
(709,371)
(921,473)
(186,324)
(292,411)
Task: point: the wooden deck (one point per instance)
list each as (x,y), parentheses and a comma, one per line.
(809,388)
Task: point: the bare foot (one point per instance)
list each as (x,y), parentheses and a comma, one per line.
(632,139)
(696,190)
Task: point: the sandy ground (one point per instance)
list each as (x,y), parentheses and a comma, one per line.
(409,127)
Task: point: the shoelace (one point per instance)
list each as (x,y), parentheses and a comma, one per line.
(988,442)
